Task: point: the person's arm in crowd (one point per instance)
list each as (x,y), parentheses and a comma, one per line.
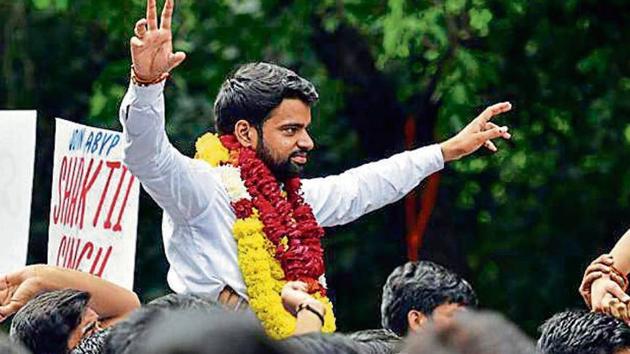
(166,174)
(308,312)
(605,281)
(340,199)
(109,300)
(621,254)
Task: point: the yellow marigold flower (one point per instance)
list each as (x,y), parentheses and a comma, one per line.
(210,150)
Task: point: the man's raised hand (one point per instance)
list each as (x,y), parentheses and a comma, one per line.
(152,46)
(476,134)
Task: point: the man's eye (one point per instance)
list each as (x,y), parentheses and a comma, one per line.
(290,130)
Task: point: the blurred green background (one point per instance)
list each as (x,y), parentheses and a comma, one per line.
(520,224)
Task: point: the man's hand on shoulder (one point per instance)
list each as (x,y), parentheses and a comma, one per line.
(152,46)
(476,134)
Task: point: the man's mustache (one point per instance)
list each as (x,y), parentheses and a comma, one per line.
(299,153)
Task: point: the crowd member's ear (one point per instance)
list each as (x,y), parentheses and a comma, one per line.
(246,134)
(415,320)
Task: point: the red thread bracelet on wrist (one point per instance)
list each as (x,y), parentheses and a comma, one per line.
(140,82)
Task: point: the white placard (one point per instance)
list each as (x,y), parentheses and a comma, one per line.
(94,204)
(17,160)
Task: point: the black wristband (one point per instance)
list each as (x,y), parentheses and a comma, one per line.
(304,305)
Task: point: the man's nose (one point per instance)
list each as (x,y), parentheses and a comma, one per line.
(306,142)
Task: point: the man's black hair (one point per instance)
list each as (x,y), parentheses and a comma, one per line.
(45,323)
(421,286)
(184,301)
(580,331)
(208,332)
(471,332)
(384,338)
(254,90)
(130,334)
(336,343)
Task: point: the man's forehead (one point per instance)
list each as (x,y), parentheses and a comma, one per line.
(291,111)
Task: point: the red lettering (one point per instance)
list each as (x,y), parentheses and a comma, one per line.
(118,227)
(62,172)
(72,253)
(68,255)
(61,250)
(87,185)
(112,166)
(88,247)
(108,222)
(103,264)
(76,187)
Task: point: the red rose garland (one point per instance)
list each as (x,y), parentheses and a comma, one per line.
(288,221)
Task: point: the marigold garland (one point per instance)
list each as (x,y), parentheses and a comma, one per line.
(277,235)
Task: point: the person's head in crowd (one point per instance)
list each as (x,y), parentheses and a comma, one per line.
(417,292)
(183,302)
(57,322)
(268,108)
(584,332)
(470,332)
(337,343)
(130,334)
(384,339)
(216,331)
(8,346)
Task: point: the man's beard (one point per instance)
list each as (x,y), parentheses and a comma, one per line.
(281,169)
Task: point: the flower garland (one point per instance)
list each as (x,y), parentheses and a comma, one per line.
(277,236)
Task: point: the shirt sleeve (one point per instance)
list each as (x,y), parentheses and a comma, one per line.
(340,199)
(169,177)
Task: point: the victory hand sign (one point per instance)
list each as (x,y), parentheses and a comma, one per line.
(479,132)
(152,46)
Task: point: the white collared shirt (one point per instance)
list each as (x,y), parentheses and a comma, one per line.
(198,219)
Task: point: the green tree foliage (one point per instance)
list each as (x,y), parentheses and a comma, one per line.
(520,224)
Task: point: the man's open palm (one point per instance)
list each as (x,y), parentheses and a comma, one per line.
(152,46)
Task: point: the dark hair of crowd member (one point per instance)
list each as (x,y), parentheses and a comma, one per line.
(383,338)
(471,332)
(208,332)
(45,323)
(583,332)
(254,90)
(129,335)
(337,343)
(421,286)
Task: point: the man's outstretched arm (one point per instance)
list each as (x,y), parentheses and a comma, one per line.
(340,199)
(167,175)
(109,300)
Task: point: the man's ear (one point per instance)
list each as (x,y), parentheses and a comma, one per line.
(246,134)
(415,320)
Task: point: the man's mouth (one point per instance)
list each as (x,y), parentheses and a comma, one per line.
(299,158)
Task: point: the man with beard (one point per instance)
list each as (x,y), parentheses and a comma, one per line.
(244,183)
